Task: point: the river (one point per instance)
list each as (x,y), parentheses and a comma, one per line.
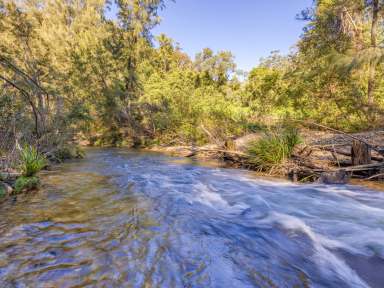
(121,218)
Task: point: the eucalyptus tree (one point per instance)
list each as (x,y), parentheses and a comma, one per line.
(41,48)
(220,66)
(362,22)
(337,61)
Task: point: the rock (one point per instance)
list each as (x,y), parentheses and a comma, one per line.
(9,175)
(6,188)
(241,144)
(338,177)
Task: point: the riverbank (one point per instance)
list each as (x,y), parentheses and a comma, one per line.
(322,156)
(21,175)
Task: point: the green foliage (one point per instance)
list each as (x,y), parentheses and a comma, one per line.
(31,161)
(218,68)
(184,110)
(274,148)
(108,79)
(25,183)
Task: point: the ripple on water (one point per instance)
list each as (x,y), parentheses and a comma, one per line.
(131,219)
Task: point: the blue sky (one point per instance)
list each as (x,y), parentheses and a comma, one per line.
(250,29)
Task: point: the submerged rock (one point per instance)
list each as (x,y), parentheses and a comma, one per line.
(5,189)
(337,177)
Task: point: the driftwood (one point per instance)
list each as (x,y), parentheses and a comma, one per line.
(373,147)
(309,171)
(307,168)
(360,155)
(380,175)
(368,167)
(344,153)
(238,159)
(229,152)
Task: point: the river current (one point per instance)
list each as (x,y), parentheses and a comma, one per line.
(121,218)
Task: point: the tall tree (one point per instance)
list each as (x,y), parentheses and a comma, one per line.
(376,8)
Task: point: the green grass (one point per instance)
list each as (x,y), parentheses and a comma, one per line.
(274,148)
(31,161)
(24,183)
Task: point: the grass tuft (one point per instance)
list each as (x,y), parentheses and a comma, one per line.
(31,161)
(274,148)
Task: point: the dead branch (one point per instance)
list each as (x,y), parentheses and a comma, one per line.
(373,147)
(375,176)
(380,159)
(366,167)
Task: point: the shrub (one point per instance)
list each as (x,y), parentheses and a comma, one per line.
(274,148)
(24,183)
(31,161)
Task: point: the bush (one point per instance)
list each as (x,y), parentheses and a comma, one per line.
(274,148)
(24,183)
(31,161)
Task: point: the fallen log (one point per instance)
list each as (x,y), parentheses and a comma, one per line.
(344,153)
(367,167)
(379,150)
(380,175)
(230,152)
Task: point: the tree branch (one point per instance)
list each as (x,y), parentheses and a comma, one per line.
(28,97)
(6,62)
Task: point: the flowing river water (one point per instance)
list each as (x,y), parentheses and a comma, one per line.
(121,218)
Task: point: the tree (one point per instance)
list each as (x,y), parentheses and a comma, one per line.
(336,55)
(218,67)
(376,9)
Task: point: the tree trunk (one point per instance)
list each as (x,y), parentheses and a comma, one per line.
(372,64)
(360,153)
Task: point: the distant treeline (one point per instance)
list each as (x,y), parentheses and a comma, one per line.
(66,69)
